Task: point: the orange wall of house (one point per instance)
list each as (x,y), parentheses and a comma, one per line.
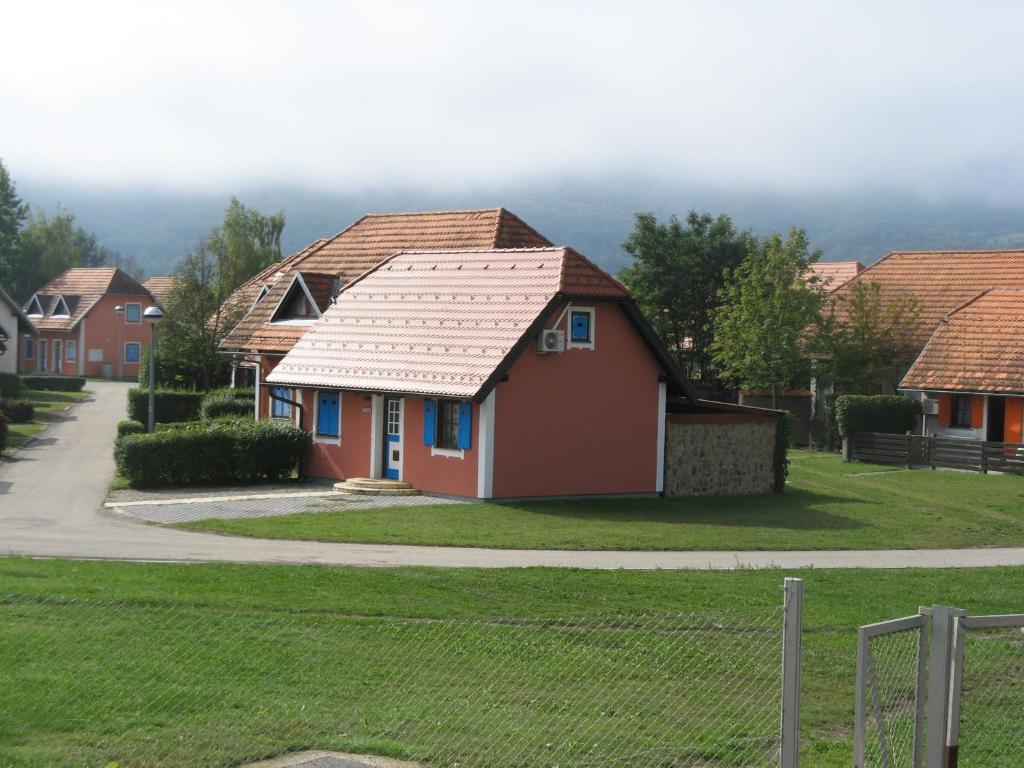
(352,457)
(1013,420)
(582,421)
(437,474)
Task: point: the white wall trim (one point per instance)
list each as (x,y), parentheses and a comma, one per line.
(401,439)
(376,433)
(80,353)
(659,483)
(569,343)
(450,453)
(259,370)
(485,450)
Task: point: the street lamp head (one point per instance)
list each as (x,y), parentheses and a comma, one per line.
(153,315)
(119,309)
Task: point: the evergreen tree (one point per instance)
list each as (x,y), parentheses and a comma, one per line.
(13,213)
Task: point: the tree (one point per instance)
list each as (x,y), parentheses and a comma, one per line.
(867,338)
(48,246)
(676,276)
(13,213)
(768,303)
(246,242)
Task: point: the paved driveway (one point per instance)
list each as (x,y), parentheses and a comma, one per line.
(51,497)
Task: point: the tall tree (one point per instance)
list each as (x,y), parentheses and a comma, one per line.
(768,303)
(244,243)
(50,245)
(13,213)
(676,275)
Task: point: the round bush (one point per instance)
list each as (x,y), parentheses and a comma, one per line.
(3,432)
(18,411)
(219,405)
(130,427)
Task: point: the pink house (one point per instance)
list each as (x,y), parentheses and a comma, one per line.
(483,373)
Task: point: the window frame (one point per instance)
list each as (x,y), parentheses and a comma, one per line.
(571,343)
(124,352)
(71,351)
(322,437)
(957,410)
(440,425)
(275,404)
(30,349)
(127,313)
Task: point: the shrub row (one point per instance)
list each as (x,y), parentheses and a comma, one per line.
(10,386)
(54,383)
(176,405)
(211,453)
(876,413)
(219,405)
(130,427)
(3,432)
(18,411)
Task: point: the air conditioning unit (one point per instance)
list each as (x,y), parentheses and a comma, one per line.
(929,406)
(551,341)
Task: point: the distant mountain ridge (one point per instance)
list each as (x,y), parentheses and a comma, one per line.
(593,215)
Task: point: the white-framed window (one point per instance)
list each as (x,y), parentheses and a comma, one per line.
(72,351)
(30,349)
(133,314)
(41,363)
(581,328)
(279,409)
(132,352)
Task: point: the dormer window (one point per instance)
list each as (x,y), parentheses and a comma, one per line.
(297,305)
(581,328)
(60,308)
(35,307)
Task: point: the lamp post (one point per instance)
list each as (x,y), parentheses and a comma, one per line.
(153,316)
(120,347)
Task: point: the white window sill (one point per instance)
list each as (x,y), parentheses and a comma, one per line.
(451,453)
(579,345)
(326,440)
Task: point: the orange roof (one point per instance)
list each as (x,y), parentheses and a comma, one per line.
(442,322)
(976,349)
(833,274)
(363,245)
(80,288)
(160,287)
(941,281)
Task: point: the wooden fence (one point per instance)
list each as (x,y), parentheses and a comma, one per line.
(917,451)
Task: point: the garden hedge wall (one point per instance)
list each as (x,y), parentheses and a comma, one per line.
(54,383)
(220,404)
(10,386)
(18,411)
(175,405)
(3,432)
(211,453)
(895,414)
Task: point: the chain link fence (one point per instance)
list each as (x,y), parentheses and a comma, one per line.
(87,682)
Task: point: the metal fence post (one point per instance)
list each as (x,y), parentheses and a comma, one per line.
(939,668)
(955,689)
(861,705)
(792,640)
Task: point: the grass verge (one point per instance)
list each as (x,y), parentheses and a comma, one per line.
(827,505)
(49,407)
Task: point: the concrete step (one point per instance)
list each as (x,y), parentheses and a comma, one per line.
(365,486)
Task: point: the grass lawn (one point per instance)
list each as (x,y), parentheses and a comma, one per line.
(152,664)
(49,407)
(827,505)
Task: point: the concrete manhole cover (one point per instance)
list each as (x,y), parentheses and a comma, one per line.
(331,760)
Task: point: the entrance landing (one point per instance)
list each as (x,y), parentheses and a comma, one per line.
(371,486)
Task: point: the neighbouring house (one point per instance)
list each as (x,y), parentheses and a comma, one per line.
(281,303)
(832,274)
(505,373)
(16,331)
(160,288)
(81,331)
(971,371)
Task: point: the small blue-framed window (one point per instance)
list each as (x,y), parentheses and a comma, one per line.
(328,414)
(581,327)
(448,424)
(133,313)
(279,409)
(30,349)
(132,352)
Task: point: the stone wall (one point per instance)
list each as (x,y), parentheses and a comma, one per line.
(719,454)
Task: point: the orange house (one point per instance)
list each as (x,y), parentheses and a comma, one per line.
(493,373)
(81,333)
(971,371)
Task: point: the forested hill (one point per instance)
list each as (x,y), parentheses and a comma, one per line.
(594,216)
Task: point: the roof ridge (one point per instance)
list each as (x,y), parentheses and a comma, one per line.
(949,315)
(533,249)
(432,213)
(953,250)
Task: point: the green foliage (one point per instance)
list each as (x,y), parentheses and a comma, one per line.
(676,275)
(867,338)
(13,213)
(785,427)
(220,404)
(10,385)
(171,405)
(245,243)
(768,302)
(18,411)
(895,414)
(130,427)
(3,432)
(212,453)
(54,383)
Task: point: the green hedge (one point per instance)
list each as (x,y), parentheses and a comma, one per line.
(54,383)
(18,411)
(10,386)
(895,414)
(3,432)
(219,404)
(130,427)
(211,453)
(785,427)
(176,405)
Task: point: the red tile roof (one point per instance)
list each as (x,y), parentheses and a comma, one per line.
(976,349)
(365,244)
(833,274)
(440,322)
(81,288)
(942,280)
(160,287)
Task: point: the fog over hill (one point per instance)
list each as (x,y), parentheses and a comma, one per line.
(593,215)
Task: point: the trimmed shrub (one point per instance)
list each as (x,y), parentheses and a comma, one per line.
(211,453)
(130,427)
(220,404)
(895,414)
(10,386)
(171,405)
(785,428)
(54,383)
(18,411)
(3,432)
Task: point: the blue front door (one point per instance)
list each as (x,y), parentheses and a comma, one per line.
(393,438)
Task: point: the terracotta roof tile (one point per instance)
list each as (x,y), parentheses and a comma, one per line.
(160,287)
(81,288)
(977,349)
(942,280)
(833,274)
(437,322)
(369,241)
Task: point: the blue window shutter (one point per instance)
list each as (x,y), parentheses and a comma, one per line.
(429,422)
(465,425)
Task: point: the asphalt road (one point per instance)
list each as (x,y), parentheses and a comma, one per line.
(52,492)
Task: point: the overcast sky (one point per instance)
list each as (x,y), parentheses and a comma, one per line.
(825,95)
